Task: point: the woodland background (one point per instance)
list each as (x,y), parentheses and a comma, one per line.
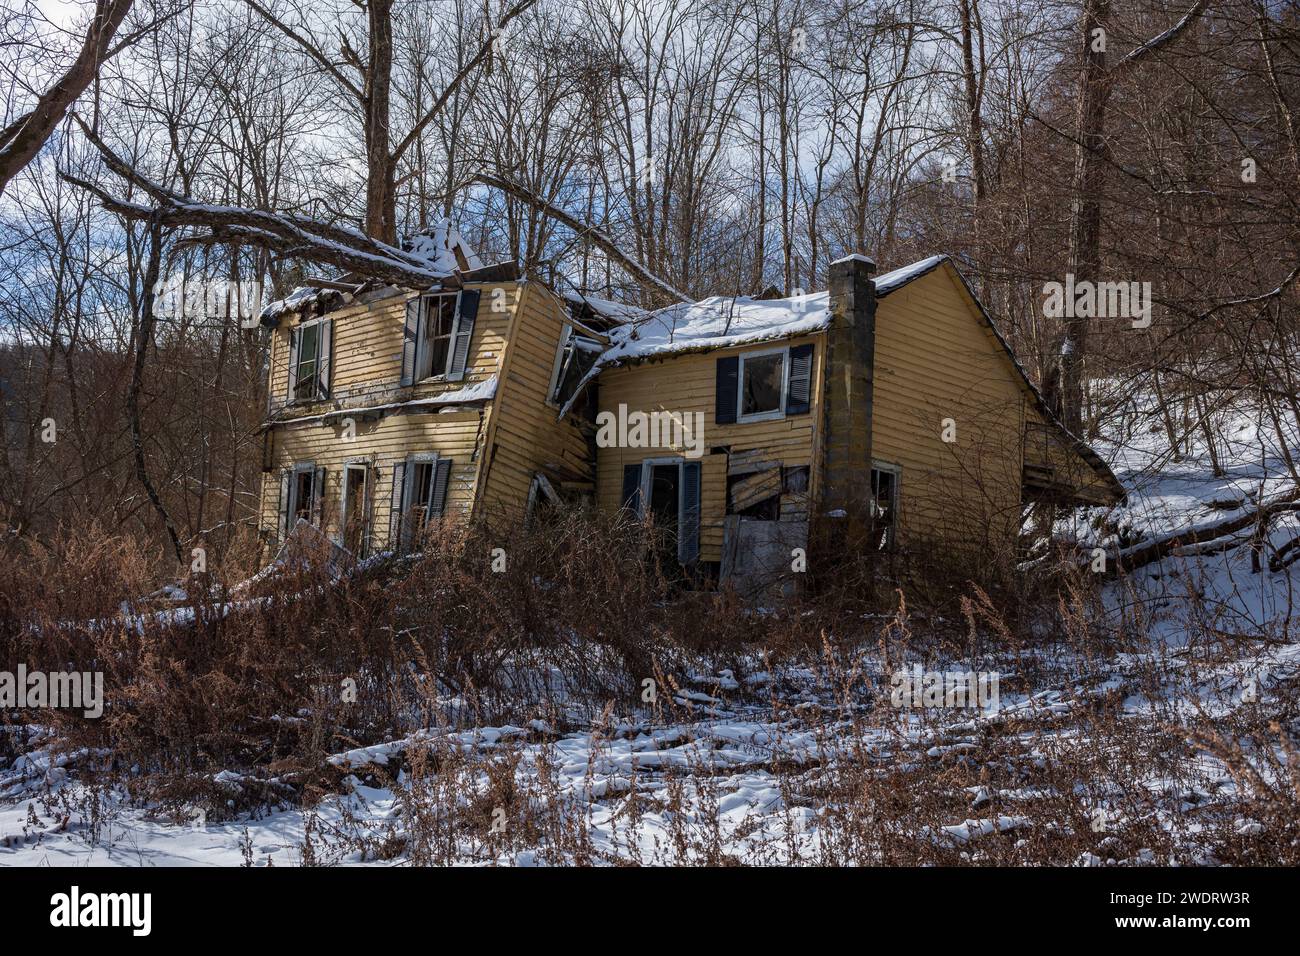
(709,146)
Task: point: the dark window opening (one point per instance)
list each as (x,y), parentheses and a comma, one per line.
(355,493)
(438,324)
(884,507)
(664,494)
(422,492)
(304,490)
(762,379)
(577,356)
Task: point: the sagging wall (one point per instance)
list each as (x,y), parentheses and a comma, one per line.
(937,362)
(379,444)
(1055,469)
(365,370)
(527,436)
(687,384)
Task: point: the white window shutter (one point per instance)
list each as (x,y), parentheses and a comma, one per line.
(395,506)
(325,342)
(282,517)
(293,361)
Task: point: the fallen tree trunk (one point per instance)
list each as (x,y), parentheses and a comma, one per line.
(286,233)
(1148,551)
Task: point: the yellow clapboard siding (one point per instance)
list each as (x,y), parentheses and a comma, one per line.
(686,385)
(366,353)
(380,444)
(936,360)
(527,436)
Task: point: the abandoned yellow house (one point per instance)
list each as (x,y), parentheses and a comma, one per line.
(390,408)
(731,420)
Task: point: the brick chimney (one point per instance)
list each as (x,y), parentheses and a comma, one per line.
(850,360)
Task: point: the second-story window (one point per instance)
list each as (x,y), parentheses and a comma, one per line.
(437,330)
(762,385)
(309,361)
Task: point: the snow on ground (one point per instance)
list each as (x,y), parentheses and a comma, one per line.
(719,759)
(1170,496)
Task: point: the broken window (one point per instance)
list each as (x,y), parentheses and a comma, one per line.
(543,499)
(884,504)
(355,518)
(437,330)
(309,358)
(762,385)
(755,494)
(577,354)
(422,481)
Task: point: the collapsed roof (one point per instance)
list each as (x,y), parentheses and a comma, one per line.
(438,248)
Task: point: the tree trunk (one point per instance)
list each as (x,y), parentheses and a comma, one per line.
(1085,215)
(381,176)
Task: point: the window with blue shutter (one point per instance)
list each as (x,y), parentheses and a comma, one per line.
(726,389)
(798,397)
(410,340)
(688,525)
(631,499)
(438,492)
(468,312)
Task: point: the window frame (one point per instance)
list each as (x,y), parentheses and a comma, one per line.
(294,370)
(648,466)
(291,513)
(422,340)
(896,471)
(567,334)
(366,491)
(777,413)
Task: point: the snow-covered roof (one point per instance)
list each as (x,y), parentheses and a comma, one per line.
(726,321)
(616,313)
(303,297)
(435,246)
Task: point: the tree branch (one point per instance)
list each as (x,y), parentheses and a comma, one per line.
(311,49)
(20,144)
(483,52)
(602,241)
(1133,57)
